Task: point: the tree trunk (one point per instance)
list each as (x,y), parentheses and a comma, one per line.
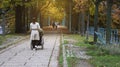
(87,31)
(70,14)
(23,20)
(27,19)
(96,21)
(67,21)
(79,23)
(18,17)
(108,28)
(20,24)
(41,21)
(83,24)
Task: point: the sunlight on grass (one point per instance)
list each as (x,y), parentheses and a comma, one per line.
(80,40)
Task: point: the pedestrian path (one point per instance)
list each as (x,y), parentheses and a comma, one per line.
(22,56)
(60,29)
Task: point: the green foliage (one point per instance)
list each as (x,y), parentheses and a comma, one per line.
(13,3)
(61,3)
(84,5)
(4,3)
(54,12)
(91,7)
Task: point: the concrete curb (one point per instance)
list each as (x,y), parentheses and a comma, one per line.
(64,54)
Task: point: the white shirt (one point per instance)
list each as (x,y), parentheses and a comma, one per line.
(34,27)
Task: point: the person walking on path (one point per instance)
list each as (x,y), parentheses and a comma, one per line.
(34,28)
(56,25)
(53,25)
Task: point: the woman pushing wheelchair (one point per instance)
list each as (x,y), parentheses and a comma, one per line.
(36,34)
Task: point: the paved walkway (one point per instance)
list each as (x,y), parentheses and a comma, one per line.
(21,55)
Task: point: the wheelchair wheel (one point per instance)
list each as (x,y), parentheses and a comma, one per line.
(42,47)
(31,45)
(42,43)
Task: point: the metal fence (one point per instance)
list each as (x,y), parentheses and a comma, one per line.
(115,35)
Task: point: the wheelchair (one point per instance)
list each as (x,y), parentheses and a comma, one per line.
(36,43)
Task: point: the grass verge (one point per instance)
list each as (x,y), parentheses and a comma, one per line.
(103,57)
(3,38)
(106,61)
(60,58)
(71,61)
(106,56)
(9,36)
(75,40)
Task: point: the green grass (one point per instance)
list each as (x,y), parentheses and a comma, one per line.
(61,61)
(71,61)
(65,42)
(79,41)
(60,58)
(105,56)
(4,38)
(106,61)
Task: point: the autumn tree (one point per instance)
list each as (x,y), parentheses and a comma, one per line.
(81,8)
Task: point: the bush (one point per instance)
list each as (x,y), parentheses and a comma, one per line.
(113,49)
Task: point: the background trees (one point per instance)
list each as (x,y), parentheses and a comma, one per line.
(77,14)
(102,15)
